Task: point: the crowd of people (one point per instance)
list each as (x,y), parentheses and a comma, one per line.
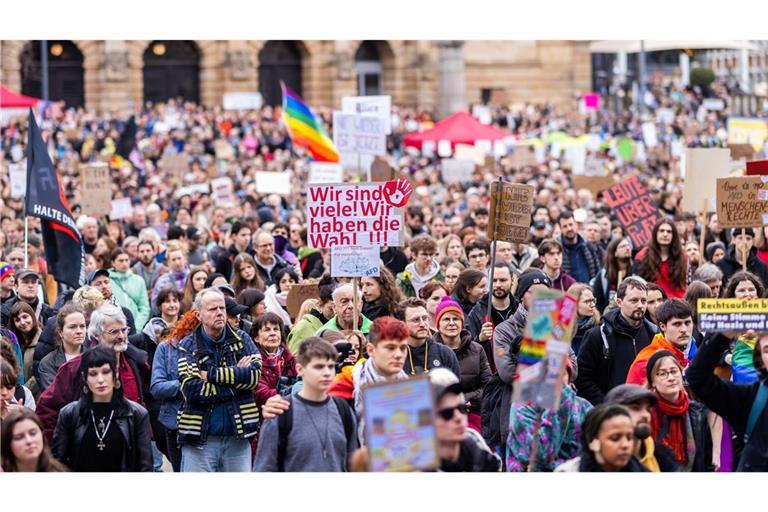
(180,350)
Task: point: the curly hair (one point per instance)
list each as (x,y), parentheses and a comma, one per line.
(182,328)
(390,292)
(733,282)
(650,266)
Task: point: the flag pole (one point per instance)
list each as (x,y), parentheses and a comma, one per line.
(26,241)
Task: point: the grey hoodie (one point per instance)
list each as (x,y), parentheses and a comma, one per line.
(154,328)
(418,280)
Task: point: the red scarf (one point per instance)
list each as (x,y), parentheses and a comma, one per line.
(675,417)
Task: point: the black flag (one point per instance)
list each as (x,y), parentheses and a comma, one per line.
(127,139)
(64,250)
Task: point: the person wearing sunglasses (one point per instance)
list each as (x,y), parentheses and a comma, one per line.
(459,448)
(107,327)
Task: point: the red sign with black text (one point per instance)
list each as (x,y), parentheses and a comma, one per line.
(633,206)
(757,168)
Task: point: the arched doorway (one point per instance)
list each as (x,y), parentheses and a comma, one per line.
(65,72)
(369,69)
(279,60)
(172,70)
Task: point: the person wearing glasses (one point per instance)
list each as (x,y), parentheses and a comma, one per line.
(676,421)
(458,448)
(587,315)
(108,327)
(478,255)
(424,354)
(267,262)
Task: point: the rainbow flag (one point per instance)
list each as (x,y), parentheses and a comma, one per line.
(304,128)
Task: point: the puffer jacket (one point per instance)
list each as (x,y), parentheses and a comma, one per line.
(226,384)
(129,292)
(132,420)
(474,368)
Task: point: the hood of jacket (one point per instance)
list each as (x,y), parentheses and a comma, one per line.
(418,279)
(154,328)
(120,276)
(730,255)
(306,251)
(611,323)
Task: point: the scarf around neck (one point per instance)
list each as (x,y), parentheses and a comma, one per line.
(671,426)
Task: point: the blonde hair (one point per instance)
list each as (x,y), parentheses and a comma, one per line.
(576,290)
(88,298)
(307,306)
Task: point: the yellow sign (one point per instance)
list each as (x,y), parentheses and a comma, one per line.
(748,130)
(735,315)
(733,305)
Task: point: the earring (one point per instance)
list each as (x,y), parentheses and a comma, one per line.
(85,389)
(118,384)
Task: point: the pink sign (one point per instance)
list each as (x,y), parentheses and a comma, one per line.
(591,101)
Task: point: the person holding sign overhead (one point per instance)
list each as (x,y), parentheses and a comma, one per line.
(742,247)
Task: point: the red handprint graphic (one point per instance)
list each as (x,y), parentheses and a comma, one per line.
(397,192)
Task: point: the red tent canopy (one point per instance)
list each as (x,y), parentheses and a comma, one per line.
(458,128)
(9,99)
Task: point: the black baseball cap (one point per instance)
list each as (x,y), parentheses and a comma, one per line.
(234,308)
(96,273)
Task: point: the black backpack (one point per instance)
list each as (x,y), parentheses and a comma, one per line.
(490,411)
(285,424)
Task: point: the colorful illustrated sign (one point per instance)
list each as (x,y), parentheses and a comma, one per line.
(365,214)
(349,261)
(400,426)
(742,202)
(633,206)
(723,315)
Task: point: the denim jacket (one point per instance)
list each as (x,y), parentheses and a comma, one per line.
(165,384)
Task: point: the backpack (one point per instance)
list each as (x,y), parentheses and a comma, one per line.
(490,411)
(285,424)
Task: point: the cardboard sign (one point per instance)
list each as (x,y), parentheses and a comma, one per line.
(541,383)
(703,166)
(273,182)
(242,101)
(223,149)
(298,294)
(348,261)
(96,198)
(120,208)
(456,171)
(363,214)
(223,190)
(713,104)
(632,204)
(741,201)
(377,106)
(748,130)
(594,184)
(359,134)
(757,168)
(723,315)
(741,151)
(510,213)
(381,171)
(17,174)
(400,426)
(176,165)
(325,172)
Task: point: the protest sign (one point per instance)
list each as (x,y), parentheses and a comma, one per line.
(552,317)
(594,184)
(381,171)
(298,294)
(273,182)
(359,134)
(350,261)
(198,188)
(356,163)
(591,101)
(510,213)
(723,315)
(17,174)
(223,190)
(757,168)
(632,204)
(665,115)
(120,208)
(713,104)
(649,135)
(703,166)
(522,156)
(223,149)
(742,202)
(444,148)
(456,171)
(400,426)
(242,101)
(175,165)
(96,198)
(324,172)
(741,151)
(377,106)
(366,214)
(467,152)
(748,130)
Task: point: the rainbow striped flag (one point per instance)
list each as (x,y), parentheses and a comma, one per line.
(304,128)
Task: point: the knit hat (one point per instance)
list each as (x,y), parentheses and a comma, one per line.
(529,279)
(6,270)
(448,305)
(652,362)
(626,394)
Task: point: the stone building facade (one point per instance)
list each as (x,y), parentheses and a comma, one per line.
(117,75)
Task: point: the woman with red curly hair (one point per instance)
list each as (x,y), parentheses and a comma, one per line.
(165,385)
